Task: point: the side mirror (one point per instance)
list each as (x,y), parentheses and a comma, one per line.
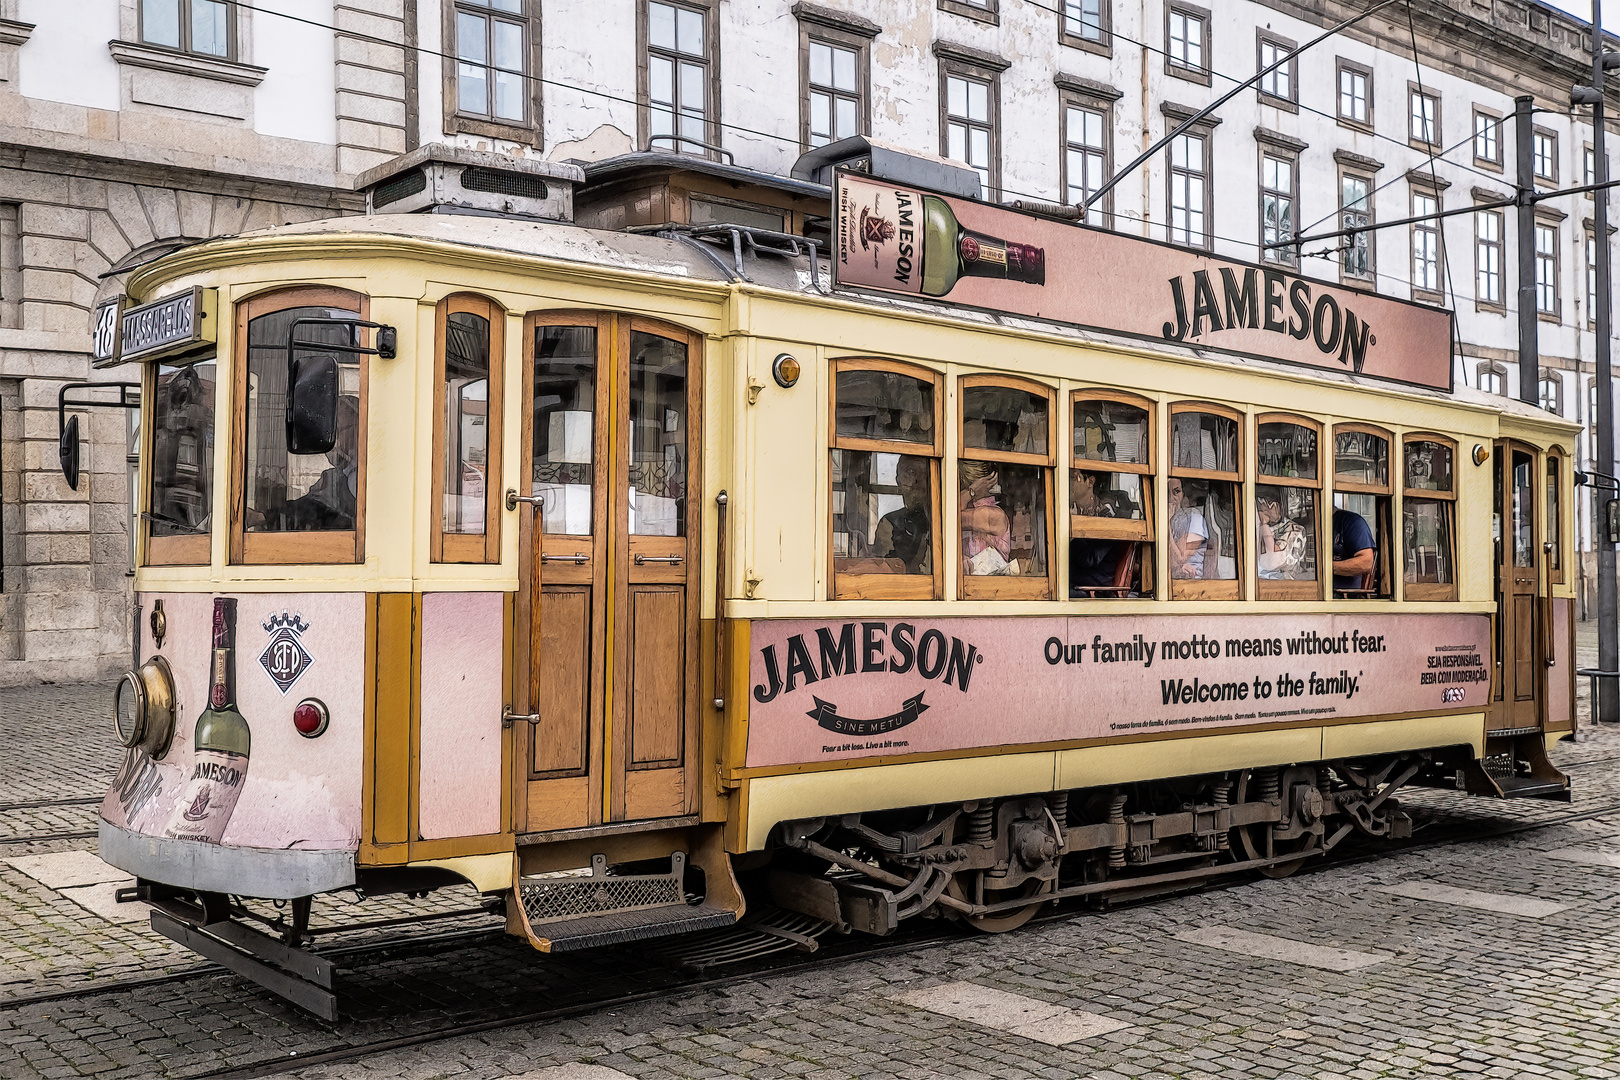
(67,452)
(312,405)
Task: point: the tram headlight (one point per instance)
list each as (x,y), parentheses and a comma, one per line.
(143,707)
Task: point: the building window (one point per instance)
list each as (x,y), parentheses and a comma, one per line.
(1279,206)
(204,27)
(1591,423)
(1186,39)
(493,48)
(1086,130)
(1111,519)
(1492,379)
(1355,94)
(971,103)
(1189,190)
(980,10)
(1428,520)
(835,94)
(1550,393)
(1085,24)
(1544,154)
(1488,257)
(1281,87)
(1547,269)
(467,429)
(1588,167)
(1487,138)
(1424,125)
(1355,211)
(1425,242)
(679,90)
(1004,485)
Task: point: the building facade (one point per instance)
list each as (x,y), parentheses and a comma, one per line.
(129,127)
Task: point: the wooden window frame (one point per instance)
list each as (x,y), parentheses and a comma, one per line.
(1279,256)
(1346,277)
(185,47)
(1204,588)
(1554,314)
(1204,242)
(991,78)
(470,547)
(1262,38)
(1433,224)
(969,587)
(1413,90)
(1551,176)
(1142,532)
(1493,164)
(889,586)
(1074,99)
(711,58)
(1104,45)
(1419,591)
(814,29)
(528,130)
(1351,487)
(309,548)
(1265,588)
(989,12)
(1340,66)
(1499,305)
(198,549)
(1174,68)
(1556,457)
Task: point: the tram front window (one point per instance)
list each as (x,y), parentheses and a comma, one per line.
(564,427)
(182,450)
(297,492)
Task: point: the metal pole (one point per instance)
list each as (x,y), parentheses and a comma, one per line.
(1525,192)
(1607,708)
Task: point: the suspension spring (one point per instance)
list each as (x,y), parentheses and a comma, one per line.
(982,825)
(1059,803)
(1270,785)
(1223,797)
(1116,816)
(1324,784)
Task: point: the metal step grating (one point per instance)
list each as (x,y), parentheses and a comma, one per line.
(550,897)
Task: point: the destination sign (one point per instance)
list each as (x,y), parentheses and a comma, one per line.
(896,239)
(174,324)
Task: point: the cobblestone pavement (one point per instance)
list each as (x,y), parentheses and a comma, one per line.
(1483,956)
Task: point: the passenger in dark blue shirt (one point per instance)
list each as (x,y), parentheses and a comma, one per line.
(1354,550)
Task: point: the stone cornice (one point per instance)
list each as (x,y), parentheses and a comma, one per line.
(1278,139)
(835,20)
(1182,113)
(14,33)
(962,54)
(1357,161)
(1090,87)
(135,54)
(1482,194)
(1427,179)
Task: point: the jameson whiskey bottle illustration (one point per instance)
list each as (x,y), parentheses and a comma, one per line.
(220,745)
(908,241)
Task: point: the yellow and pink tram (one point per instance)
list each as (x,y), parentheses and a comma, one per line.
(625,574)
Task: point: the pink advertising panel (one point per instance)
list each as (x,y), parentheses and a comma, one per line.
(902,240)
(259,784)
(825,691)
(463,639)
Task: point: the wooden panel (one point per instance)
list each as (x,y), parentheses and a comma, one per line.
(560,804)
(654,793)
(393,693)
(562,738)
(657,689)
(1524,647)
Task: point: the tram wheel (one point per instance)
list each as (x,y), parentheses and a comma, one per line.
(1258,842)
(964,887)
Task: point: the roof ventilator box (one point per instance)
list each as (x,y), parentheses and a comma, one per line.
(896,164)
(440,179)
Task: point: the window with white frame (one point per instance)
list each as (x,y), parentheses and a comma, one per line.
(835,104)
(1424,126)
(1189,190)
(1544,154)
(970,124)
(1283,83)
(1279,206)
(1546,268)
(1591,421)
(203,27)
(1355,93)
(1186,40)
(1488,257)
(1589,167)
(1086,20)
(1492,378)
(1591,276)
(679,66)
(1550,391)
(1425,242)
(1355,212)
(1085,157)
(1487,138)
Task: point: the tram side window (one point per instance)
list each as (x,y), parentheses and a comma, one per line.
(1004,489)
(1361,509)
(317,496)
(563,470)
(467,436)
(180,505)
(1555,518)
(1286,501)
(885,481)
(1111,497)
(1428,520)
(1202,497)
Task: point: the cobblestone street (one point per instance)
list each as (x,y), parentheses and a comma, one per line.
(1479,948)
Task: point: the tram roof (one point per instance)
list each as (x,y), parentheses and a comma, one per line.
(662,254)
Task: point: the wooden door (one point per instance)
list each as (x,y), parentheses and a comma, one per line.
(1520,639)
(612,440)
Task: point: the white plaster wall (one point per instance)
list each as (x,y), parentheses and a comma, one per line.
(66,59)
(589,44)
(295,99)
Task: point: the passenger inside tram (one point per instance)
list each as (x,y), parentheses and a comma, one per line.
(330,501)
(1094,562)
(1189,535)
(1355,552)
(986,528)
(905,534)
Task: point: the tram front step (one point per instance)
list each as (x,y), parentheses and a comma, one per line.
(619,927)
(1500,774)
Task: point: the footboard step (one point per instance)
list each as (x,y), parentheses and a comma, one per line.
(618,927)
(1015,1014)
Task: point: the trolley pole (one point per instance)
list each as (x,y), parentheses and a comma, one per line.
(1525,193)
(1606,706)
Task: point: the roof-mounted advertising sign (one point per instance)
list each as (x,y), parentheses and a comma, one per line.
(895,239)
(163,328)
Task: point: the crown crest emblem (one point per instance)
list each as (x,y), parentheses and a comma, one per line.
(295,623)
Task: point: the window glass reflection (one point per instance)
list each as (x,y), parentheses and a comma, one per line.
(183,450)
(564,428)
(1287,450)
(466,421)
(1428,466)
(885,405)
(1204,441)
(1524,540)
(1426,528)
(882,511)
(1203,529)
(1360,457)
(1005,419)
(1285,542)
(1110,431)
(657,436)
(1003,512)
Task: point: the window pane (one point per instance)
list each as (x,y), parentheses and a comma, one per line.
(979,148)
(208,28)
(466,421)
(657,436)
(1554,517)
(956,142)
(1003,512)
(472,90)
(1523,510)
(661,26)
(470,38)
(298,492)
(1428,466)
(1355,529)
(1285,533)
(820,64)
(1204,441)
(1121,496)
(1110,431)
(509,81)
(955,96)
(509,96)
(689,32)
(1426,529)
(885,405)
(882,512)
(1360,457)
(848,124)
(564,428)
(661,80)
(978,102)
(183,449)
(692,90)
(820,119)
(1004,418)
(843,69)
(514,6)
(1203,529)
(160,22)
(1287,450)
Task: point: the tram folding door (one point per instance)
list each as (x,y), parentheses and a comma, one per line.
(1520,643)
(611,574)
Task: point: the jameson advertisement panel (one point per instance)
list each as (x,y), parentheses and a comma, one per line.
(903,240)
(881,687)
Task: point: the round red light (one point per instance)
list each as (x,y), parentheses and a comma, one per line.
(310,718)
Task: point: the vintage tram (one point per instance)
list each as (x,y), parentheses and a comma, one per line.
(623,574)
